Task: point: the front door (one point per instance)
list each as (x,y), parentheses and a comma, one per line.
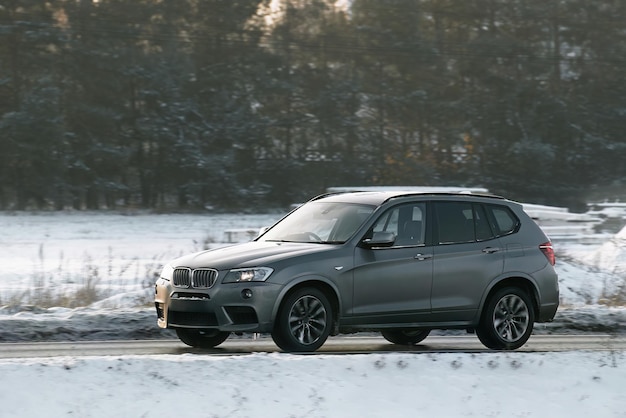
(393,284)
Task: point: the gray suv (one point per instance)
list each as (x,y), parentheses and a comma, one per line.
(399,263)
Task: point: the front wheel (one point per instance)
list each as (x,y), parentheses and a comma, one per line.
(304,321)
(201,338)
(507,320)
(405,336)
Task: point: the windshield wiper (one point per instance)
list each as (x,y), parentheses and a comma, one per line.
(306,242)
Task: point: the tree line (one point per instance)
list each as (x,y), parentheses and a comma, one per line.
(249,104)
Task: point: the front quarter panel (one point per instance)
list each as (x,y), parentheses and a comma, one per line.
(334,273)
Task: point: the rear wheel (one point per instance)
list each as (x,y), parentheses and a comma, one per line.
(201,338)
(507,320)
(304,321)
(405,336)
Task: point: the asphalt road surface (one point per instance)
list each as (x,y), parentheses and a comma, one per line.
(334,345)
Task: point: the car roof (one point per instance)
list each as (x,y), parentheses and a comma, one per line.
(379,197)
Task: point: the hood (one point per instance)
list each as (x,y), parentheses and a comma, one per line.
(250,254)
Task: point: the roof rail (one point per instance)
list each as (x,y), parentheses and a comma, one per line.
(487,195)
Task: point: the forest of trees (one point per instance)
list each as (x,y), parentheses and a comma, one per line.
(251,104)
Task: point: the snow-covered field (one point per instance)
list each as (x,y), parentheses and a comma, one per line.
(48,255)
(116,253)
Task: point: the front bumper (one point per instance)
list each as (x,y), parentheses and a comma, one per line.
(236,307)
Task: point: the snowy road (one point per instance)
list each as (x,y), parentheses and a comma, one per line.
(337,345)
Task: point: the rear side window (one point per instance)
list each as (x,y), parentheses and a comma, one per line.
(459,222)
(481,223)
(455,222)
(503,220)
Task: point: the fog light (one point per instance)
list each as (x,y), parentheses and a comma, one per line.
(246,293)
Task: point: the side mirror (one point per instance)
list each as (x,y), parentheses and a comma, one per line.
(380,239)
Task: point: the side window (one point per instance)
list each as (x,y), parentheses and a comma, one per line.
(455,222)
(388,222)
(503,220)
(460,222)
(407,222)
(483,230)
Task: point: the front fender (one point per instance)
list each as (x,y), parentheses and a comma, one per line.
(326,284)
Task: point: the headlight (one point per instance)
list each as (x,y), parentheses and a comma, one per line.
(253,274)
(167,273)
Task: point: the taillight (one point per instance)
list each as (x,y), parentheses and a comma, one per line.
(548,251)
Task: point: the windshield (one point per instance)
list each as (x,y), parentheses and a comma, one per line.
(322,222)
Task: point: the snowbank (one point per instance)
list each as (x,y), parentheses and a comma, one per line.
(611,255)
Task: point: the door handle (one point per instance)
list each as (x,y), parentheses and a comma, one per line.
(422,257)
(490,250)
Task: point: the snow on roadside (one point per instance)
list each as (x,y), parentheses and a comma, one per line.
(570,384)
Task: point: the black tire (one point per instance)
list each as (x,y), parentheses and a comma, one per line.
(201,338)
(405,336)
(507,320)
(304,321)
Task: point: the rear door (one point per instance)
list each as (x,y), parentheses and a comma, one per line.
(467,256)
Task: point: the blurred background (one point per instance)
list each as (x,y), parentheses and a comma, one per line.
(255,104)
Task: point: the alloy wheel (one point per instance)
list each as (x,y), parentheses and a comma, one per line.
(511,318)
(307,319)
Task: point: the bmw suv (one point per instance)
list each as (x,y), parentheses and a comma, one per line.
(397,263)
